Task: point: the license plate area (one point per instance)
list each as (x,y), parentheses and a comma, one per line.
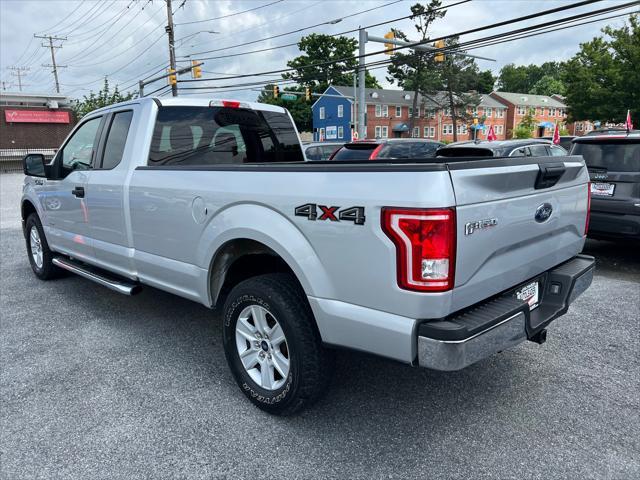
(602,189)
(529,293)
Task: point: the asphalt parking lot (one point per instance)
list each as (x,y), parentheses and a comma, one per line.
(98,385)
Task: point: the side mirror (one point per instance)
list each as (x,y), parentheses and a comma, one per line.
(34,165)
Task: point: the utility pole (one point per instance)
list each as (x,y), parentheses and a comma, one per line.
(362,106)
(172,52)
(53,65)
(18,72)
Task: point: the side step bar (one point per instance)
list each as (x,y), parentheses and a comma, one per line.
(105,279)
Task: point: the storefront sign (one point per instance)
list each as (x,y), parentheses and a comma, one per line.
(36,116)
(332,133)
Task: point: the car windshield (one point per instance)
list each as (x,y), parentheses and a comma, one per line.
(399,150)
(357,151)
(612,155)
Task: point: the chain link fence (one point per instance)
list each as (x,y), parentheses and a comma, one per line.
(11,159)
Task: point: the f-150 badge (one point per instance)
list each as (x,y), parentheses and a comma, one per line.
(471,227)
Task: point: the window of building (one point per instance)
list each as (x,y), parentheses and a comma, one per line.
(417,111)
(474,111)
(579,126)
(488,111)
(552,112)
(429,132)
(431,113)
(321,113)
(398,111)
(340,131)
(385,132)
(447,112)
(410,112)
(498,129)
(378,131)
(116,139)
(378,110)
(340,111)
(416,132)
(522,110)
(461,129)
(385,110)
(499,112)
(447,129)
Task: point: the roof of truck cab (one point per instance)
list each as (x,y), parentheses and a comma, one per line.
(192,102)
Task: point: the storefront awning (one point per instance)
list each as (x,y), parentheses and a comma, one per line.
(546,124)
(400,127)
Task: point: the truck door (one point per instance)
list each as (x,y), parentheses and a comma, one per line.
(63,196)
(105,196)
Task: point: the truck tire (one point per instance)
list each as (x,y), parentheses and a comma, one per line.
(38,251)
(272,344)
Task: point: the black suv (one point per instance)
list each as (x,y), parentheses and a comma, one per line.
(613,160)
(502,148)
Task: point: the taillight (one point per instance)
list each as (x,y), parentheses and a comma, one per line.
(230,104)
(375,153)
(425,241)
(586,223)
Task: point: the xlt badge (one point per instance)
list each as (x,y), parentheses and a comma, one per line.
(471,227)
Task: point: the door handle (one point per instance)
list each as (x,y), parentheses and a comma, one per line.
(78,192)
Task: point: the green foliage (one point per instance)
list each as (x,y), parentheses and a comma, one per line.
(101,99)
(532,78)
(603,78)
(300,109)
(319,48)
(526,127)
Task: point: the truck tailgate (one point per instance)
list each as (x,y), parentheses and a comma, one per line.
(516,218)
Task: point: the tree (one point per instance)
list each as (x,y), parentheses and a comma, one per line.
(532,78)
(602,78)
(483,81)
(300,109)
(526,127)
(319,49)
(549,85)
(413,70)
(101,99)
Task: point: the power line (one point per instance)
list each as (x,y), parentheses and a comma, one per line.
(75,9)
(53,65)
(230,14)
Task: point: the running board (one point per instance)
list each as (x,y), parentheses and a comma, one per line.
(105,279)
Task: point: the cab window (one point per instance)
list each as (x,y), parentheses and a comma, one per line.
(78,152)
(116,139)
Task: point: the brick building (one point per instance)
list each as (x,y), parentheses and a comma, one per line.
(389,112)
(34,121)
(546,111)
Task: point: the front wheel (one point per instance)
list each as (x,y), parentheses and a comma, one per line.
(272,345)
(40,256)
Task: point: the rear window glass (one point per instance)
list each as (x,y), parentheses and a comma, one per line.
(411,150)
(614,156)
(353,152)
(218,135)
(465,152)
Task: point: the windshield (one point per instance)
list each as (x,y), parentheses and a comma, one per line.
(411,150)
(613,156)
(359,151)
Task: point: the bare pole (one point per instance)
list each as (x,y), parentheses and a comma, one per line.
(18,72)
(53,65)
(362,40)
(172,51)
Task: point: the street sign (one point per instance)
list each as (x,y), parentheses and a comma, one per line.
(289,97)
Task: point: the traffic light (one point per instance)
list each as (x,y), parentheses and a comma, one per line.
(439,56)
(196,70)
(276,91)
(173,79)
(388,47)
(307,94)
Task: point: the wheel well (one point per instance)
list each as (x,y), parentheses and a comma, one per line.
(239,260)
(27,209)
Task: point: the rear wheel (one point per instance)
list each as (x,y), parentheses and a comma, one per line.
(272,345)
(40,256)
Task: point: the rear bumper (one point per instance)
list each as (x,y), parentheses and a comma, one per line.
(503,321)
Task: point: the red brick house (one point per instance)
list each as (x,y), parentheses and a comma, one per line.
(546,111)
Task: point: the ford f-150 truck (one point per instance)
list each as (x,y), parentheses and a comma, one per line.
(437,263)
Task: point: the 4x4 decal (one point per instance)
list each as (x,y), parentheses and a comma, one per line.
(334,214)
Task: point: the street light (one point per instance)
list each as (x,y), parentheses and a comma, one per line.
(180,40)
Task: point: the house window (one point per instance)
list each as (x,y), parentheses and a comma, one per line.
(500,113)
(431,113)
(385,132)
(498,129)
(378,131)
(398,111)
(474,111)
(461,129)
(340,111)
(488,111)
(447,112)
(429,132)
(579,127)
(410,111)
(417,111)
(321,113)
(385,110)
(416,132)
(447,129)
(552,112)
(378,110)
(340,131)
(522,110)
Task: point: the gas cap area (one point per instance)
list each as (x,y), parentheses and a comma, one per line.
(199,210)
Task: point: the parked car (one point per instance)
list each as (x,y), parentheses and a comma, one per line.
(613,160)
(565,141)
(387,149)
(320,151)
(502,148)
(432,263)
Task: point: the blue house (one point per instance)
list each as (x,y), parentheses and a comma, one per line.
(332,117)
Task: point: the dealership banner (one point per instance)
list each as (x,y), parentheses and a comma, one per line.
(36,116)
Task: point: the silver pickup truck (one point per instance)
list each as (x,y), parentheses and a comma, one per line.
(437,263)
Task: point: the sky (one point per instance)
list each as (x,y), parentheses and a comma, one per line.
(125,40)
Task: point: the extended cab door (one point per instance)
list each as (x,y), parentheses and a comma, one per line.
(62,196)
(105,196)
